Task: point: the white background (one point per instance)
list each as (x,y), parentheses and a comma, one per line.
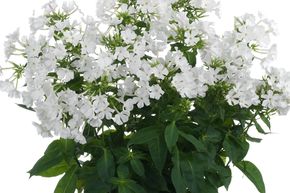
(20,146)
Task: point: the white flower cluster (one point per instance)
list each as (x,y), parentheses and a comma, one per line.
(96,69)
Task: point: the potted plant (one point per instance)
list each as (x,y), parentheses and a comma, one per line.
(145,97)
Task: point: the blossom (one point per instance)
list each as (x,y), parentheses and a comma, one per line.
(194,82)
(98,71)
(191,37)
(65,75)
(142,97)
(10,43)
(8,86)
(68,6)
(128,35)
(156,92)
(103,6)
(37,23)
(121,117)
(121,53)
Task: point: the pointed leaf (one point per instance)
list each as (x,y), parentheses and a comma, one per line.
(144,136)
(137,166)
(46,166)
(158,152)
(68,182)
(176,177)
(171,135)
(197,144)
(136,188)
(56,170)
(259,128)
(106,165)
(265,120)
(253,173)
(236,149)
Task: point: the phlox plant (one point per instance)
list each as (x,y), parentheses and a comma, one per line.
(145,96)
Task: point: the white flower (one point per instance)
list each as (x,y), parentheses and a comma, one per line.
(50,7)
(208,5)
(121,53)
(10,43)
(61,25)
(142,97)
(68,6)
(124,67)
(180,62)
(37,23)
(127,87)
(156,92)
(121,117)
(147,6)
(243,94)
(72,37)
(34,47)
(95,122)
(86,108)
(194,82)
(101,106)
(78,136)
(128,35)
(103,6)
(191,37)
(160,71)
(60,51)
(140,47)
(41,130)
(128,105)
(65,75)
(7,86)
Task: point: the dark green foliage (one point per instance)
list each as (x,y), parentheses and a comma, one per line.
(57,159)
(253,173)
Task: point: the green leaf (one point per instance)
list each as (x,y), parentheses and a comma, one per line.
(158,152)
(236,149)
(189,174)
(226,177)
(137,166)
(253,139)
(48,165)
(57,158)
(127,185)
(144,136)
(197,144)
(191,57)
(259,128)
(176,177)
(123,171)
(124,189)
(68,182)
(25,107)
(53,147)
(171,135)
(63,146)
(253,173)
(265,120)
(68,147)
(136,188)
(56,170)
(106,165)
